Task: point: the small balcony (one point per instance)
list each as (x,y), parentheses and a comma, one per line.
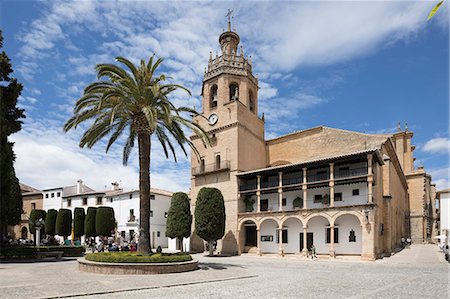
(211,168)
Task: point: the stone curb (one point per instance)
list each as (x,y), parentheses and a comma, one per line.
(135,268)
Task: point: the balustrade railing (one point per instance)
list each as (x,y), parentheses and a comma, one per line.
(211,167)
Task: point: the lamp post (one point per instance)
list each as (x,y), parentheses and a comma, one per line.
(38,225)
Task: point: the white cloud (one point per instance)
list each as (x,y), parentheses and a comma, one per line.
(441,177)
(46,157)
(438,145)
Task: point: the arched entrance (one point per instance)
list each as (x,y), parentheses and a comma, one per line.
(350,235)
(24,233)
(269,232)
(294,228)
(318,225)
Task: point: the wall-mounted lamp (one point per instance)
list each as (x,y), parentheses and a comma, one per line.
(366,213)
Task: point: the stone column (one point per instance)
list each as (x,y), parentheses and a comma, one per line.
(280,191)
(280,245)
(258,193)
(331,184)
(305,189)
(305,241)
(258,241)
(332,253)
(369,178)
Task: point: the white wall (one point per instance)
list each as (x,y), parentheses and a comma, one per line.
(294,228)
(317,225)
(346,223)
(312,193)
(348,198)
(269,228)
(160,205)
(50,202)
(273,200)
(444,210)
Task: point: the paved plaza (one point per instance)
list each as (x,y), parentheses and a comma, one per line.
(419,272)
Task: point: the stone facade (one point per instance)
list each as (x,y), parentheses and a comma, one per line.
(32,199)
(353,184)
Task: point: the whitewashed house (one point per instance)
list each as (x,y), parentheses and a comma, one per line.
(444,211)
(124,203)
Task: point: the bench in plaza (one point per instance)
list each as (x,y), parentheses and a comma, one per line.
(55,254)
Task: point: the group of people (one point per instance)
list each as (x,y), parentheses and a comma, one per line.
(108,245)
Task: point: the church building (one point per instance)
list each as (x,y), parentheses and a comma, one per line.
(346,193)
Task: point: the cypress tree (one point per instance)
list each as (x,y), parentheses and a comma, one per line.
(89,222)
(210,216)
(179,219)
(78,222)
(64,223)
(104,221)
(35,215)
(10,122)
(50,222)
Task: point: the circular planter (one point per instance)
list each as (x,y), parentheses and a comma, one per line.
(136,268)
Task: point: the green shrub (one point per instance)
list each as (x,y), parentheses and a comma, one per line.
(128,257)
(89,222)
(64,223)
(104,221)
(210,215)
(179,219)
(78,222)
(50,222)
(35,215)
(29,252)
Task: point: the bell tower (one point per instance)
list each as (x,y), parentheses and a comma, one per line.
(230,116)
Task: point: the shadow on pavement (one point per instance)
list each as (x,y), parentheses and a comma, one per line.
(217,266)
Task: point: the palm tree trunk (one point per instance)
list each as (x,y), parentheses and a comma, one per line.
(144,192)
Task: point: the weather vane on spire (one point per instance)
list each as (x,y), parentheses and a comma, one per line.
(228,15)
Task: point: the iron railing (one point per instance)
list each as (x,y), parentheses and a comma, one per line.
(350,172)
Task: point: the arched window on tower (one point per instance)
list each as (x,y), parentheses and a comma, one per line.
(213,96)
(234,92)
(251,102)
(218,162)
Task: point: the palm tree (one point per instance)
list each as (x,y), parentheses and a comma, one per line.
(134,101)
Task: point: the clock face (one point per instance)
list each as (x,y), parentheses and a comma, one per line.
(212,119)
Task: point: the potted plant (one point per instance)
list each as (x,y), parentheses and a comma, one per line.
(249,202)
(326,199)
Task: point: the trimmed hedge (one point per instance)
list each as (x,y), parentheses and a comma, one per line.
(210,214)
(64,223)
(78,222)
(50,222)
(104,221)
(89,222)
(128,257)
(35,215)
(29,252)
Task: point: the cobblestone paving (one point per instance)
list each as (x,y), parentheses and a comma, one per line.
(419,272)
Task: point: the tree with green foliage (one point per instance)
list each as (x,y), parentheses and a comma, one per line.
(10,123)
(36,215)
(179,219)
(50,222)
(89,223)
(210,216)
(78,222)
(105,221)
(64,223)
(132,100)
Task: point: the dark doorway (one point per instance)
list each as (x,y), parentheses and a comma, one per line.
(250,235)
(309,241)
(264,205)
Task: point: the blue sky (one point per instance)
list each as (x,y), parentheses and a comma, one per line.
(362,66)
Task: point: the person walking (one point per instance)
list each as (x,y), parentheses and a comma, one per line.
(313,252)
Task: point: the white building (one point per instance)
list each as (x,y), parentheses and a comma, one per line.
(124,203)
(126,210)
(444,211)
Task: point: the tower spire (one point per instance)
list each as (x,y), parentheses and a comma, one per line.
(228,15)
